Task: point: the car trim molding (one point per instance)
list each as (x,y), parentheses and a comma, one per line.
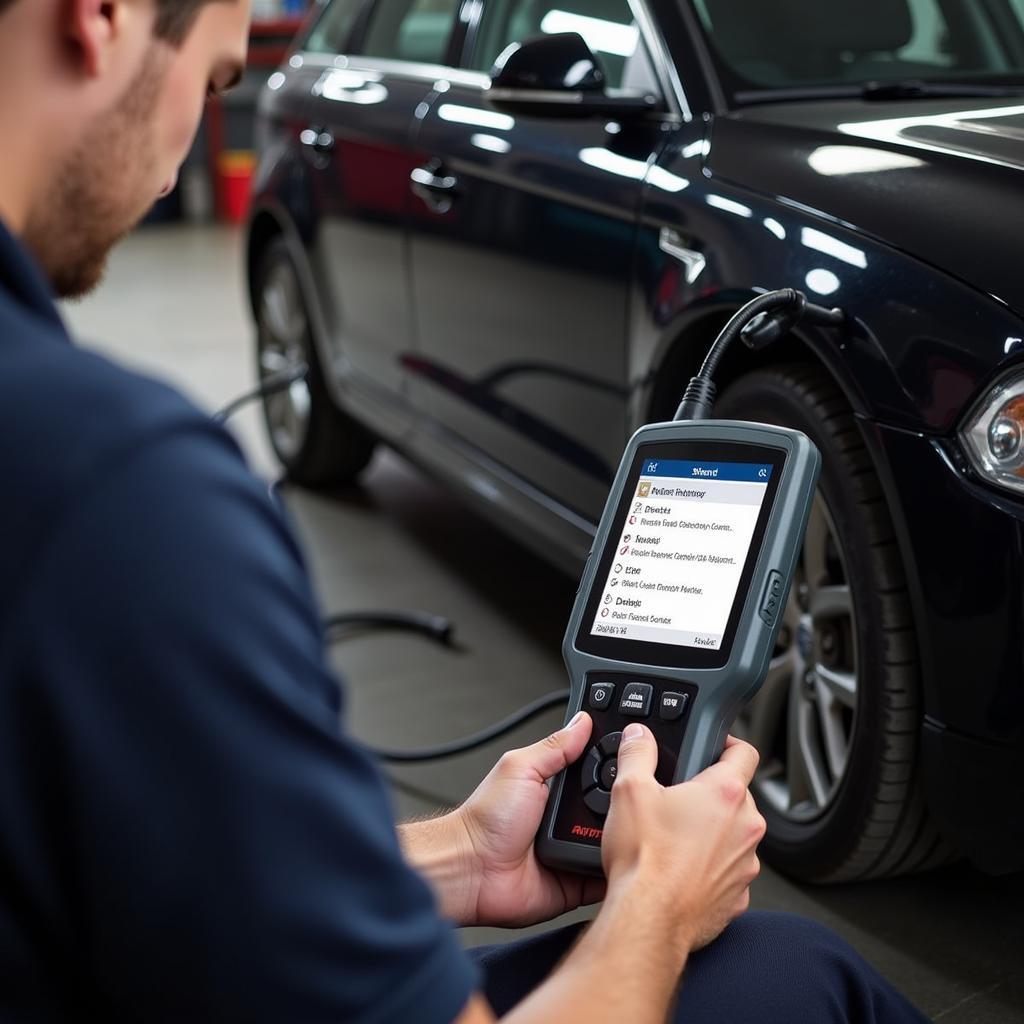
(664,65)
(399,69)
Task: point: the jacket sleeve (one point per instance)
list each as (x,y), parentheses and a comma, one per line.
(225,852)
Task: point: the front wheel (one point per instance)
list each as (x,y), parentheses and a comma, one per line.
(314,440)
(837,719)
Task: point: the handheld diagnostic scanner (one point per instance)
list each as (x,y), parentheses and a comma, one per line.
(676,615)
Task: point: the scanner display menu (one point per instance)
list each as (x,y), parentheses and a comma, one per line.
(681,551)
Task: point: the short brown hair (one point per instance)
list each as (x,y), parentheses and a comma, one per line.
(173,17)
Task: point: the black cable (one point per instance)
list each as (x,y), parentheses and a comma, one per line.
(759,304)
(434,627)
(477,739)
(440,629)
(776,313)
(699,397)
(270,385)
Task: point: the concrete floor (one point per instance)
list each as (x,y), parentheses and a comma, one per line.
(173,304)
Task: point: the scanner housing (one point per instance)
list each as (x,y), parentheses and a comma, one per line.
(643,680)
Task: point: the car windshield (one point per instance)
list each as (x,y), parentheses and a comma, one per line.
(882,49)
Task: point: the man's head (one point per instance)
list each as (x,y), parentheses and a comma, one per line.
(101,101)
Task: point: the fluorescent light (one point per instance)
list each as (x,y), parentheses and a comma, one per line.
(774,227)
(491,143)
(605,160)
(729,205)
(475,116)
(822,281)
(666,181)
(833,247)
(614,163)
(900,130)
(833,160)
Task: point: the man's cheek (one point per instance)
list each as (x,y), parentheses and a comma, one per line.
(183,110)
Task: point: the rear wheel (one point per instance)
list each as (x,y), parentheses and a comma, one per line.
(315,441)
(838,717)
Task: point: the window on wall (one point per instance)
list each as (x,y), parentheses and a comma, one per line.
(413,30)
(607,26)
(332,32)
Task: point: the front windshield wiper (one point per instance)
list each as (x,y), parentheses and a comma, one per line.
(913,88)
(877,92)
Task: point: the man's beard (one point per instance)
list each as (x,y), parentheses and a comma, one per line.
(100,192)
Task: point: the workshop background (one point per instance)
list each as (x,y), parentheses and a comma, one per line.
(175,303)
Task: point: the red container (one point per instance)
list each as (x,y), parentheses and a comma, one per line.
(234,184)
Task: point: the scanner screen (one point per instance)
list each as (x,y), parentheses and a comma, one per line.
(679,557)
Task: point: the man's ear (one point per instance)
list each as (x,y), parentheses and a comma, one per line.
(91,27)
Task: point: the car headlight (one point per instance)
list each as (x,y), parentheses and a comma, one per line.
(994,434)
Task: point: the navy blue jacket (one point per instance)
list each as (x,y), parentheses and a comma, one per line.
(186,833)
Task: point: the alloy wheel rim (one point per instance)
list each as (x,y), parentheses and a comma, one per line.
(803,719)
(282,346)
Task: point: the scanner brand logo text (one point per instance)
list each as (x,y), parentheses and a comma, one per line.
(585,832)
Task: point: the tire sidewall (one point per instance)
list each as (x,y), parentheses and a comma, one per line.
(277,254)
(816,849)
(335,448)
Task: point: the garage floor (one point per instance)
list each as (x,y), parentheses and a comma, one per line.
(173,304)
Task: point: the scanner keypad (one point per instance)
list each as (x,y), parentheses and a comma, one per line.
(614,700)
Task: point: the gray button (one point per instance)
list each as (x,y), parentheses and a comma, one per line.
(772,597)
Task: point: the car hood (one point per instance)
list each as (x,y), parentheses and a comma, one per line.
(942,180)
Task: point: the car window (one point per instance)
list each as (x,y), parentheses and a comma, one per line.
(334,27)
(413,30)
(796,43)
(928,42)
(608,26)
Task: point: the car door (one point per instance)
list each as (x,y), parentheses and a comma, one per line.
(378,65)
(523,231)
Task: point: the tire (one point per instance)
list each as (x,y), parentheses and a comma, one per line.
(317,444)
(837,721)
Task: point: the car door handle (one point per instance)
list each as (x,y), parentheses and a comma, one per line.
(673,244)
(437,190)
(318,139)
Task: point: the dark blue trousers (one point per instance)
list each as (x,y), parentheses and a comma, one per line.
(766,968)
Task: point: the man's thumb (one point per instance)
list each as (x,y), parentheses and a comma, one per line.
(550,755)
(638,752)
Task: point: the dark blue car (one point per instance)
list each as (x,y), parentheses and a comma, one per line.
(503,234)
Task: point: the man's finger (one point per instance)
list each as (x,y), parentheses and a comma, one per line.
(742,756)
(638,752)
(550,755)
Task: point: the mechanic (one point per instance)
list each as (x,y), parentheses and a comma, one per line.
(186,832)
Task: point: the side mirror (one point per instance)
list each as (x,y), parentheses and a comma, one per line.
(558,75)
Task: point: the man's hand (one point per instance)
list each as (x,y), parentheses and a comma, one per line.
(501,819)
(694,844)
